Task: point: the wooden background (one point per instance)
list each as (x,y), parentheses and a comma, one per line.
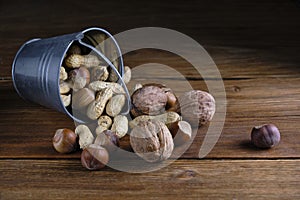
(256,46)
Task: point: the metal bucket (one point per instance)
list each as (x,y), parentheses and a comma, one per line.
(36,66)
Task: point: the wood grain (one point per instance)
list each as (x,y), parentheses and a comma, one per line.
(184,179)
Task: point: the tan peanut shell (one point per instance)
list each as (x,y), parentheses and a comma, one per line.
(97,107)
(63,75)
(100,85)
(166,118)
(127,75)
(85,136)
(104,123)
(66,99)
(115,105)
(64,87)
(76,60)
(120,125)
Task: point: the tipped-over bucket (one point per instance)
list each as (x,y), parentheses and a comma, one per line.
(36,67)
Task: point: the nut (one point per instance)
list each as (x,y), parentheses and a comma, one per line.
(120,125)
(85,136)
(197,107)
(66,99)
(136,87)
(74,49)
(115,105)
(148,100)
(63,75)
(79,78)
(114,58)
(127,74)
(76,61)
(96,108)
(104,123)
(181,132)
(108,139)
(82,98)
(94,157)
(265,136)
(166,118)
(99,73)
(101,85)
(64,87)
(152,141)
(64,141)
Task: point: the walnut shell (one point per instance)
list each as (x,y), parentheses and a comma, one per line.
(197,107)
(148,100)
(152,141)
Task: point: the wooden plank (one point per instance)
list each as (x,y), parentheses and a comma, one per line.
(26,129)
(183,179)
(236,33)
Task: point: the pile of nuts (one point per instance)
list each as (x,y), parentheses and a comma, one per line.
(158,119)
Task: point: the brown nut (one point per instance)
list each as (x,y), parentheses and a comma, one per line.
(94,157)
(82,98)
(152,141)
(79,78)
(108,139)
(99,73)
(148,100)
(265,136)
(181,132)
(197,107)
(64,141)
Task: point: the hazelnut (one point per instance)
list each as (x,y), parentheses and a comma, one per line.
(181,132)
(197,107)
(152,141)
(265,136)
(108,139)
(148,100)
(79,78)
(94,157)
(82,98)
(64,141)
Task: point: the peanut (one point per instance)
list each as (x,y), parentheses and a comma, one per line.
(66,99)
(115,105)
(127,75)
(104,123)
(85,136)
(64,87)
(120,125)
(100,85)
(166,118)
(63,75)
(76,60)
(99,73)
(96,108)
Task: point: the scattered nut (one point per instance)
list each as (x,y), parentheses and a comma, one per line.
(99,73)
(166,118)
(148,100)
(115,105)
(82,98)
(197,107)
(66,99)
(64,141)
(181,132)
(63,75)
(79,78)
(152,141)
(94,157)
(101,85)
(108,139)
(127,75)
(120,125)
(76,61)
(85,136)
(64,87)
(265,136)
(104,123)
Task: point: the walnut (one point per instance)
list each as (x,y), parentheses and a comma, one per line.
(152,141)
(148,100)
(197,107)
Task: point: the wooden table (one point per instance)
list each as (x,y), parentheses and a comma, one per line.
(255,45)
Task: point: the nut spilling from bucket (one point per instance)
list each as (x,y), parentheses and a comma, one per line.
(157,122)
